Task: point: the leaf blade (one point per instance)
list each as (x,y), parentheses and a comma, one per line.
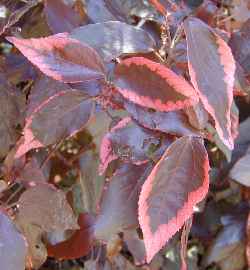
(62,58)
(211,68)
(158,227)
(137,78)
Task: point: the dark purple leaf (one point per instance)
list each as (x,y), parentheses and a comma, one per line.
(137,79)
(44,88)
(228,249)
(118,209)
(211,68)
(129,142)
(239,43)
(176,184)
(58,117)
(128,39)
(79,244)
(135,246)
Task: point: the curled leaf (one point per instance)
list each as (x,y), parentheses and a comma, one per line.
(211,68)
(129,142)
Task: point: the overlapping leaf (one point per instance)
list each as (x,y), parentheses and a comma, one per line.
(163,5)
(153,85)
(101,36)
(61,17)
(228,249)
(241,170)
(239,42)
(176,184)
(211,67)
(118,209)
(11,114)
(175,123)
(15,13)
(62,58)
(37,252)
(129,142)
(46,207)
(91,182)
(55,119)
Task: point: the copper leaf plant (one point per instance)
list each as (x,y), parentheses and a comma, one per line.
(121,139)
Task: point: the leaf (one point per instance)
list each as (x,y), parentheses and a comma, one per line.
(175,122)
(13,247)
(159,6)
(211,68)
(129,142)
(44,87)
(62,58)
(128,39)
(11,114)
(15,14)
(135,246)
(32,172)
(58,117)
(78,245)
(176,184)
(37,252)
(46,207)
(241,171)
(91,182)
(61,17)
(118,208)
(248,240)
(197,116)
(239,43)
(228,248)
(137,79)
(115,10)
(184,242)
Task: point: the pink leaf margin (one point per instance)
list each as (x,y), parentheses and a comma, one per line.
(106,150)
(229,66)
(179,84)
(154,242)
(28,48)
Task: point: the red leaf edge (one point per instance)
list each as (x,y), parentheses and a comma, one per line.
(80,242)
(167,74)
(30,142)
(159,7)
(230,68)
(154,241)
(106,151)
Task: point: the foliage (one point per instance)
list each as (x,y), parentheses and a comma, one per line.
(124,134)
